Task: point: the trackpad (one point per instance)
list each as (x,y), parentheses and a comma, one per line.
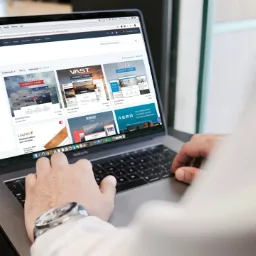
(127,203)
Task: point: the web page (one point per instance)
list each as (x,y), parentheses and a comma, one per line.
(61,89)
(83,87)
(32,95)
(127,79)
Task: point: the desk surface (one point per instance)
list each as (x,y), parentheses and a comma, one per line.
(6,247)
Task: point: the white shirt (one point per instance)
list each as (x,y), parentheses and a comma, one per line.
(216,217)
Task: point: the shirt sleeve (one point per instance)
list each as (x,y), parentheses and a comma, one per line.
(80,235)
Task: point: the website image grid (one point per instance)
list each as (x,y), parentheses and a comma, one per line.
(79,104)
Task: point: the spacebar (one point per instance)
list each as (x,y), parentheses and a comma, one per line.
(129,185)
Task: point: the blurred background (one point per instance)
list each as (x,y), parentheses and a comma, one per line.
(203,51)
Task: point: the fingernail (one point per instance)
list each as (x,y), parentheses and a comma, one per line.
(112,180)
(180,174)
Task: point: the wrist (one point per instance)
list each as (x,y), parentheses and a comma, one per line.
(58,216)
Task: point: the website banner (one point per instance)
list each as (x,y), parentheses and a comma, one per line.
(83,87)
(127,79)
(33,96)
(41,136)
(137,118)
(91,127)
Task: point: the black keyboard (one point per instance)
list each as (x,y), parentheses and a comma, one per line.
(131,170)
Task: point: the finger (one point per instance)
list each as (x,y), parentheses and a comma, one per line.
(186,174)
(30,182)
(184,155)
(59,160)
(191,149)
(43,166)
(202,137)
(108,188)
(84,165)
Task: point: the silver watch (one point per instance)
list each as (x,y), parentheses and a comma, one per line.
(58,216)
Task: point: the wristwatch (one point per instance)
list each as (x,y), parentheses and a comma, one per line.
(58,216)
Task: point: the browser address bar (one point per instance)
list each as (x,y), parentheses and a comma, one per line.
(56,32)
(34,34)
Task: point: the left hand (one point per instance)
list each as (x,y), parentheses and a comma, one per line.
(57,182)
(199,147)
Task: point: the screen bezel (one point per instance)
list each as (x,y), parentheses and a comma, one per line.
(146,134)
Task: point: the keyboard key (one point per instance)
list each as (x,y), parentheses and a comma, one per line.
(111,163)
(132,176)
(130,185)
(142,168)
(11,186)
(20,196)
(111,169)
(154,177)
(146,178)
(120,166)
(22,183)
(154,170)
(143,173)
(130,159)
(131,170)
(166,175)
(105,165)
(99,171)
(122,180)
(15,186)
(120,174)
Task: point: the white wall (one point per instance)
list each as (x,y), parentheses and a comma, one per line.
(233,10)
(230,63)
(189,43)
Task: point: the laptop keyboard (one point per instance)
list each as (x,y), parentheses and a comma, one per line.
(131,170)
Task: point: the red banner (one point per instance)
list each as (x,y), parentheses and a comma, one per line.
(76,135)
(37,82)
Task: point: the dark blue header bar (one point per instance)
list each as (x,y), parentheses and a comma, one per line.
(65,37)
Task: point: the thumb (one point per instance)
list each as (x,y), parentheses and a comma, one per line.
(186,174)
(108,187)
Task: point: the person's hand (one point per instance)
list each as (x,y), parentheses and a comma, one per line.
(57,182)
(198,148)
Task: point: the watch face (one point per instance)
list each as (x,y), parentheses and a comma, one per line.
(53,215)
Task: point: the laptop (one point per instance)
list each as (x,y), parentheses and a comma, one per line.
(82,84)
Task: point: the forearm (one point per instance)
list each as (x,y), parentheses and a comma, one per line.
(78,237)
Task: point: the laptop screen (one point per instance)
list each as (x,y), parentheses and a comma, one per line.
(68,85)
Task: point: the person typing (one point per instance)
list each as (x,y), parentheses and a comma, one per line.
(66,212)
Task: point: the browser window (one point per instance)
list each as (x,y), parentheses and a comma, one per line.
(69,85)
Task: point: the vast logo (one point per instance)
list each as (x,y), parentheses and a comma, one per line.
(79,71)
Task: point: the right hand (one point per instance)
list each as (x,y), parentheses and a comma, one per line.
(201,146)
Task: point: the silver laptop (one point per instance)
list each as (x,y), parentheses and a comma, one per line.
(82,84)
